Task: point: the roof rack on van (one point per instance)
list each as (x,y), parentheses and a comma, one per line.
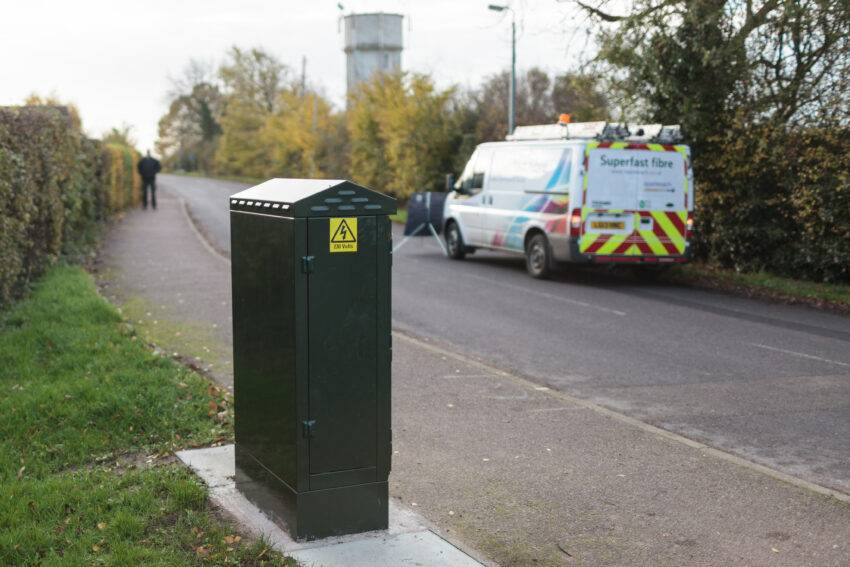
(628,132)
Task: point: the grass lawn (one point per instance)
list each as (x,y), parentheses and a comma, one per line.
(87,414)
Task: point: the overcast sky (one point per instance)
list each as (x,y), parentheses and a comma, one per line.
(113,58)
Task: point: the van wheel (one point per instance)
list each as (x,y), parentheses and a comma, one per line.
(538,258)
(454,242)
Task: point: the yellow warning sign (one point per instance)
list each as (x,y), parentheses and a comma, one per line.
(343,235)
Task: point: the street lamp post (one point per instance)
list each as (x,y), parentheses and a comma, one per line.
(512,93)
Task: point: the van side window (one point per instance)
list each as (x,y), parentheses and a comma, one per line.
(472,180)
(535,169)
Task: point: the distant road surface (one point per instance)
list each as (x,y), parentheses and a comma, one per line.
(767,381)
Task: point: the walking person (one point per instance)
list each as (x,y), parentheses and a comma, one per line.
(148,168)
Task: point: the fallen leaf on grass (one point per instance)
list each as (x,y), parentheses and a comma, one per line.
(21,472)
(231,539)
(101,526)
(202,551)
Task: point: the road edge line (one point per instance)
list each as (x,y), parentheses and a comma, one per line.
(210,248)
(634,422)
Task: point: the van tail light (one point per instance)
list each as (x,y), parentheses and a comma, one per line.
(575,222)
(689,226)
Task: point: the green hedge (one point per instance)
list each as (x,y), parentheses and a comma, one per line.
(53,190)
(122,184)
(776,199)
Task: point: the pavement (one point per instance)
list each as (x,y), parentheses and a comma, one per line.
(166,279)
(408,540)
(529,468)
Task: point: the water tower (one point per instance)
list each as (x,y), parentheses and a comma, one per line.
(372,43)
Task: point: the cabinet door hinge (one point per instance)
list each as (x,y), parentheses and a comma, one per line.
(307,428)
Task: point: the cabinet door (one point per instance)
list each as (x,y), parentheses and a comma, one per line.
(342,364)
(264,340)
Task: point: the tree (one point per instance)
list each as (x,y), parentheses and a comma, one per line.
(761,88)
(581,96)
(539,101)
(189,131)
(252,82)
(534,97)
(298,135)
(465,117)
(533,103)
(254,77)
(697,62)
(402,132)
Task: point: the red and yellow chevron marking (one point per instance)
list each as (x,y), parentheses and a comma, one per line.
(667,236)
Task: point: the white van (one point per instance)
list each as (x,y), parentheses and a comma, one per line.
(581,192)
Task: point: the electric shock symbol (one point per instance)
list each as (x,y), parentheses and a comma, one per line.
(343,234)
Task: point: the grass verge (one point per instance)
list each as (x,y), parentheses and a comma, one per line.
(835,297)
(82,397)
(400,216)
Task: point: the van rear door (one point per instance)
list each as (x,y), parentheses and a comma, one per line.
(635,201)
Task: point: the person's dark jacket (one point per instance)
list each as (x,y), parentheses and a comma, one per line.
(149,167)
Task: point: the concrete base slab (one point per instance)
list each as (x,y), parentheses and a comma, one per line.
(407,541)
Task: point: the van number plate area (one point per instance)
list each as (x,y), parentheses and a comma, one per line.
(607,225)
(610,225)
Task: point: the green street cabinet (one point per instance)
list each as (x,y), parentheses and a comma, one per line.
(312,347)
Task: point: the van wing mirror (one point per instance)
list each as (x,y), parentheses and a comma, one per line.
(450,182)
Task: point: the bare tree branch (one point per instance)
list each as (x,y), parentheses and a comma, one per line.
(605,16)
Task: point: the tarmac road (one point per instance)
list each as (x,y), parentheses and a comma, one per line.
(766,381)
